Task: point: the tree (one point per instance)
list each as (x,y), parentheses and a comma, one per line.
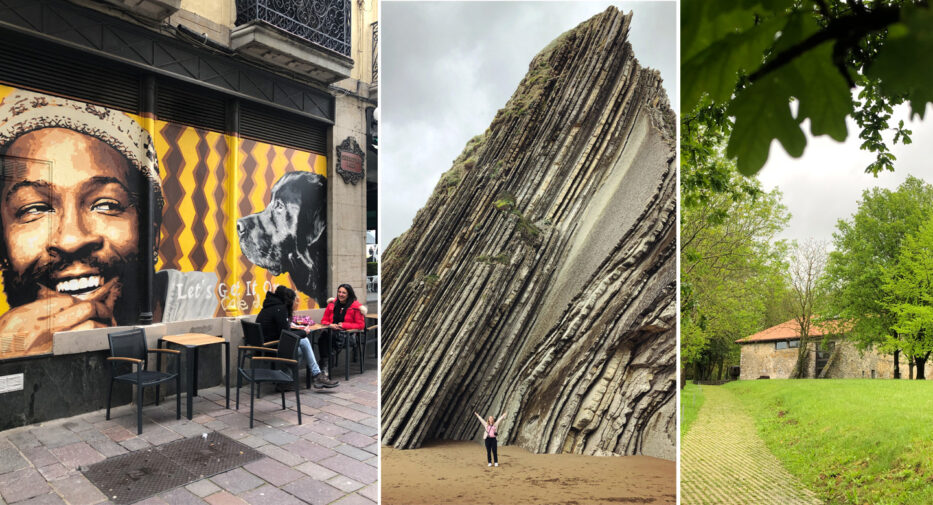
(731,268)
(908,295)
(705,171)
(725,310)
(865,246)
(772,64)
(807,262)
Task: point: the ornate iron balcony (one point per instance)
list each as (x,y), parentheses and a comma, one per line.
(322,22)
(375,27)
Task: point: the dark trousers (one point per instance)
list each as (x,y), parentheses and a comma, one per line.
(323,346)
(491,450)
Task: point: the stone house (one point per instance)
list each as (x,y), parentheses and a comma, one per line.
(772,353)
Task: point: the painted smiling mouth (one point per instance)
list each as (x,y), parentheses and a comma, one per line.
(79,285)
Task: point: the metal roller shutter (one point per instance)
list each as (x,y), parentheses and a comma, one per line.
(274,126)
(188,105)
(41,66)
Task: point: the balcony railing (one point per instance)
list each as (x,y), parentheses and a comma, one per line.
(375,27)
(322,22)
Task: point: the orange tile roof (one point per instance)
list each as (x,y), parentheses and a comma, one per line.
(790,330)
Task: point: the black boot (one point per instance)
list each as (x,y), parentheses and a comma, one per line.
(321,380)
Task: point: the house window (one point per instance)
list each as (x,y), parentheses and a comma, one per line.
(794,343)
(780,344)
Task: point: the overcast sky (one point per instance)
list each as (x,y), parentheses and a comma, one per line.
(447,67)
(826,183)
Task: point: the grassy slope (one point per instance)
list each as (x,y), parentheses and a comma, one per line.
(691,399)
(851,441)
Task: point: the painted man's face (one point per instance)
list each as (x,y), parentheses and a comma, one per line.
(70,221)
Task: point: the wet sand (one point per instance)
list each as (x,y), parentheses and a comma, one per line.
(456,473)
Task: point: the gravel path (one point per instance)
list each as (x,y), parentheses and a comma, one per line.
(723,461)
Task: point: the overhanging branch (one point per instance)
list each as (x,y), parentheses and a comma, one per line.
(846,31)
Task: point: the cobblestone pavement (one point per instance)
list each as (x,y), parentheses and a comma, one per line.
(330,458)
(723,461)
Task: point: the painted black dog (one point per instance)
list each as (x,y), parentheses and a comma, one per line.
(289,234)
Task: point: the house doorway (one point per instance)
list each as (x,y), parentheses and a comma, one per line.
(823,352)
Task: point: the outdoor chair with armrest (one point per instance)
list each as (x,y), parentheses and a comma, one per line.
(253,336)
(349,339)
(372,336)
(352,342)
(286,355)
(129,347)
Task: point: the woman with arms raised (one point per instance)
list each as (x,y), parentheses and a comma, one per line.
(490,427)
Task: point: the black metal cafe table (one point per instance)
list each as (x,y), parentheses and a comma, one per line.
(192,342)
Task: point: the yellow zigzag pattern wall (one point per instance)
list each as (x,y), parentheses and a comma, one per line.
(209,180)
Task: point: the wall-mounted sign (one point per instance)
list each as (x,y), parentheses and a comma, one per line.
(350,161)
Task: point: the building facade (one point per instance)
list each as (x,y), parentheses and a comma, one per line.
(164,164)
(772,354)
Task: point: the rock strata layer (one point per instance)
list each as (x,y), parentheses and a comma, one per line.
(539,279)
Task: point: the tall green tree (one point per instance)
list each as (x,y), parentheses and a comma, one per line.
(769,65)
(908,295)
(865,246)
(731,268)
(705,171)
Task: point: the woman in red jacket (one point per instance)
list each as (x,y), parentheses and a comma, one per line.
(341,314)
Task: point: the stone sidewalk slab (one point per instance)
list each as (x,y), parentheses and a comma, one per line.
(318,462)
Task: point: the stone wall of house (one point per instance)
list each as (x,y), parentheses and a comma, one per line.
(884,368)
(761,359)
(868,364)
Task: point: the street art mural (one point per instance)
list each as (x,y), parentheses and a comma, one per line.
(69,217)
(288,235)
(74,189)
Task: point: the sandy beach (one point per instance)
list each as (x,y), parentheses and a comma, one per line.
(456,473)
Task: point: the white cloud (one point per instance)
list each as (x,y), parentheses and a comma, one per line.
(826,183)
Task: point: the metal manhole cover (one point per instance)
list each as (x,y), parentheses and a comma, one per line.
(209,456)
(131,477)
(138,475)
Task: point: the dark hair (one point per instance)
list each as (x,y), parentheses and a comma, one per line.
(288,296)
(351,296)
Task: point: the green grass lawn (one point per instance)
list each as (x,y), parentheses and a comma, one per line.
(851,441)
(691,398)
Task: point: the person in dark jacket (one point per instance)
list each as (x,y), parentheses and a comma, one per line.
(275,316)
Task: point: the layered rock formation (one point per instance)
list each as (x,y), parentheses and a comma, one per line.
(539,279)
